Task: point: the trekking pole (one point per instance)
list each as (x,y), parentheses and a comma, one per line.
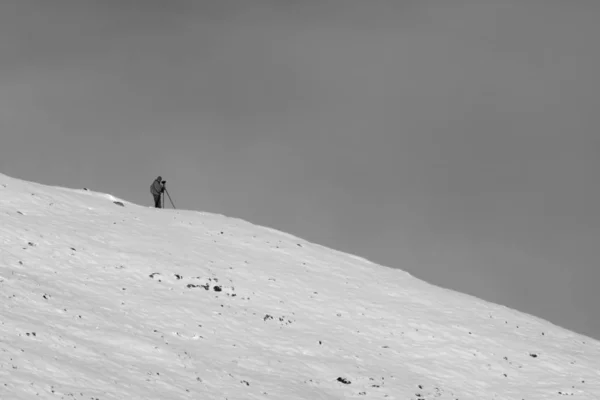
(167,192)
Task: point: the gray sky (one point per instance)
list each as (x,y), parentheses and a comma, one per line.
(456,140)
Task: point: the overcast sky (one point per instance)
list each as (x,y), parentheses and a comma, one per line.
(456,140)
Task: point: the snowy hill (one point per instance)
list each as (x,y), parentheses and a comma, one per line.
(107,301)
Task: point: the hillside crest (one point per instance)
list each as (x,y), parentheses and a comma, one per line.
(108,301)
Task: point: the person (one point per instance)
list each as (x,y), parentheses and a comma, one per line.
(157,188)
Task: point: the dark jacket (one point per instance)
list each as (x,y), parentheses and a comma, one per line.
(157,187)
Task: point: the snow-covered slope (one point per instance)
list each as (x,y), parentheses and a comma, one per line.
(103,301)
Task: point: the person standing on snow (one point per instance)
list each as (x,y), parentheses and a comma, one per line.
(157,188)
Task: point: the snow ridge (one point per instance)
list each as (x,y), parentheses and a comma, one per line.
(106,301)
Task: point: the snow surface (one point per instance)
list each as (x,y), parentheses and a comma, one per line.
(103,301)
